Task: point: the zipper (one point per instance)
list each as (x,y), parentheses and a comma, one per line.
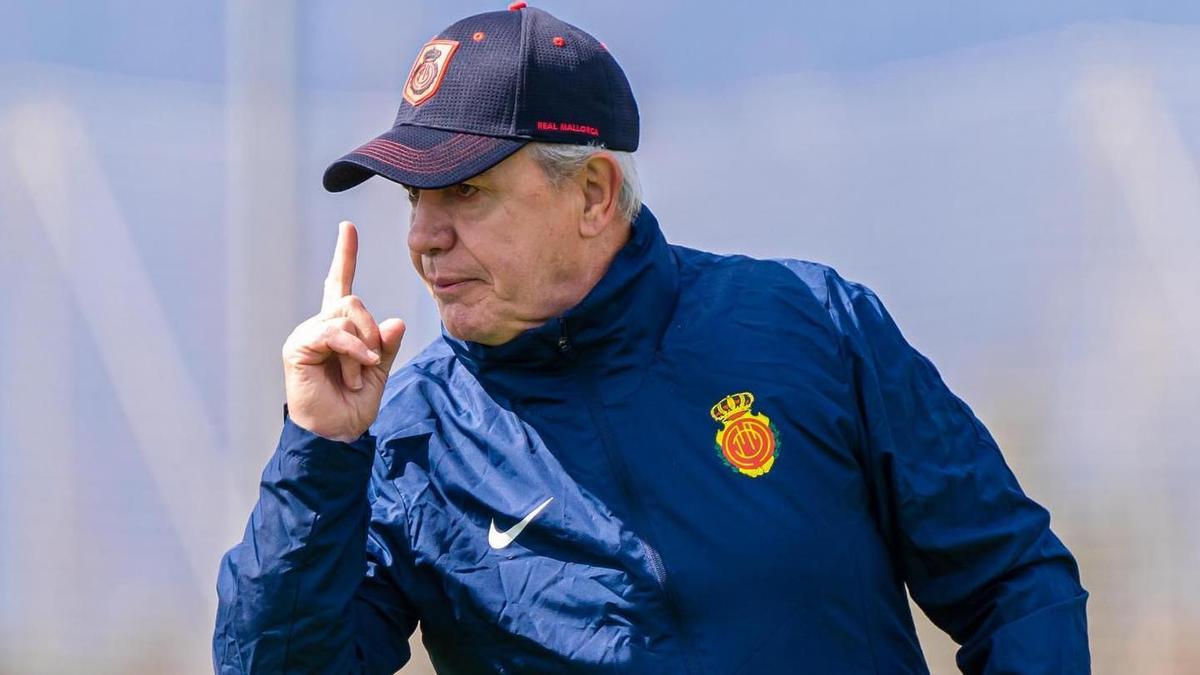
(657,568)
(652,555)
(656,565)
(564,339)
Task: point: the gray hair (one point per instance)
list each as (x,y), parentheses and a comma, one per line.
(561,161)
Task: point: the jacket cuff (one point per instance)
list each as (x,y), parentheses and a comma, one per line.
(317,452)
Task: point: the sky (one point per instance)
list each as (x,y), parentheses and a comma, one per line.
(678,42)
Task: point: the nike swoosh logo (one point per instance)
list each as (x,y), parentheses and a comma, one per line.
(499,540)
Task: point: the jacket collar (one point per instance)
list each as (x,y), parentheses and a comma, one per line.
(616,327)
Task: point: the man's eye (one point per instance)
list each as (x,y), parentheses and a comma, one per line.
(465,190)
(413,194)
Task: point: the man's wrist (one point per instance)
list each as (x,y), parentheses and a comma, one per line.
(308,428)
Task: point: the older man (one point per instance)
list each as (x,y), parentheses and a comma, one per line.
(622,455)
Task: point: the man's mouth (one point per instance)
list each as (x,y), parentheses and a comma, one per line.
(443,285)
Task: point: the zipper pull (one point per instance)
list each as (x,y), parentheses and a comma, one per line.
(564,340)
(657,568)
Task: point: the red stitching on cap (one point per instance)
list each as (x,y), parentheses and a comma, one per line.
(461,148)
(559,41)
(449,145)
(425,162)
(455,144)
(454,148)
(411,168)
(568,127)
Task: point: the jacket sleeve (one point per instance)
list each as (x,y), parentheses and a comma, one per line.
(976,553)
(308,589)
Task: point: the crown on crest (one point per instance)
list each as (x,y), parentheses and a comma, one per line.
(732,405)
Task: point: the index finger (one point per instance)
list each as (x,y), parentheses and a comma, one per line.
(341,270)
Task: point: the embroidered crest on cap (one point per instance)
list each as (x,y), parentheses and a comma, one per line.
(748,443)
(428,70)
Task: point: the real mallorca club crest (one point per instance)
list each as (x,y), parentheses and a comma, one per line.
(748,443)
(427,73)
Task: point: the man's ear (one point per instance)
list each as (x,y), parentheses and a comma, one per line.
(600,180)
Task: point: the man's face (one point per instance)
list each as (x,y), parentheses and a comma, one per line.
(499,251)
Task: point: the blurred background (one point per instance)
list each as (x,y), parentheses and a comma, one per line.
(1019,182)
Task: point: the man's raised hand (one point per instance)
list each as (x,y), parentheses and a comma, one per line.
(336,363)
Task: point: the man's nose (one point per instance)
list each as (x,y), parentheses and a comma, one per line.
(430,231)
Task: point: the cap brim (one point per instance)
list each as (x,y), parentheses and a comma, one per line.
(420,157)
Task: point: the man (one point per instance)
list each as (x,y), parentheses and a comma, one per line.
(622,455)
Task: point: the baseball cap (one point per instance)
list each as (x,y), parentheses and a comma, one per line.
(487,85)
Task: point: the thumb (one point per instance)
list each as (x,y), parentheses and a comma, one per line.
(391,331)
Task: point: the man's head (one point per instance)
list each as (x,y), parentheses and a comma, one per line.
(517,209)
(515,246)
(487,85)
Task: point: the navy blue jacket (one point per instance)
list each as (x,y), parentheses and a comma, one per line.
(725,465)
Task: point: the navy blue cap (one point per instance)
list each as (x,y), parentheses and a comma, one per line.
(488,85)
